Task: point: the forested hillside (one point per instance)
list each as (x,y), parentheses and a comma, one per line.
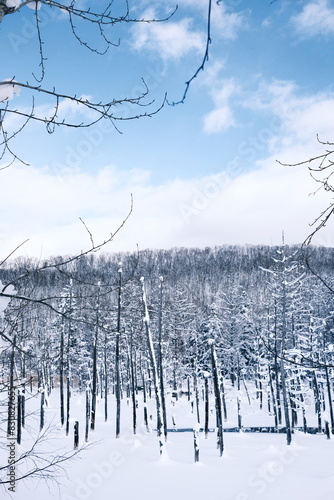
(180,322)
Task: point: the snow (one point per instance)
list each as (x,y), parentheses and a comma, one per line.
(13,3)
(3,302)
(17,3)
(253,466)
(8,90)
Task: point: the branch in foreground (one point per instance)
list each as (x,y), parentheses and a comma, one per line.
(205,59)
(321,168)
(93,112)
(93,248)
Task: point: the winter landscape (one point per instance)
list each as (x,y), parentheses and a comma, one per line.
(214,377)
(166,250)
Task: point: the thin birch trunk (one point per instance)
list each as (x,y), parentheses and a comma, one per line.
(117,356)
(153,366)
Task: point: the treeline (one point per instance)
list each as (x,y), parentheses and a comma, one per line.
(246,315)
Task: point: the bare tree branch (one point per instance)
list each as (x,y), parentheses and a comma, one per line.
(322,172)
(95,111)
(205,59)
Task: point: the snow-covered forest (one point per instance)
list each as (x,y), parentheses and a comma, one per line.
(186,373)
(203,342)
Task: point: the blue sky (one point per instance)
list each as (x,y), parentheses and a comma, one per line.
(202,173)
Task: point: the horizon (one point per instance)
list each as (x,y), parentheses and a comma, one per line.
(202,173)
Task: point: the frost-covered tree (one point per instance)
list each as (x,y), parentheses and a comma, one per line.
(285,284)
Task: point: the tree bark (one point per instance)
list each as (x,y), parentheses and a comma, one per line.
(216,385)
(153,366)
(76,434)
(94,380)
(206,406)
(87,414)
(329,396)
(196,447)
(11,392)
(41,416)
(61,374)
(68,404)
(161,370)
(117,356)
(19,418)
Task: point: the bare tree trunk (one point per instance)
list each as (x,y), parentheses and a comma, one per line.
(294,414)
(329,396)
(76,434)
(94,380)
(105,378)
(19,418)
(23,392)
(276,368)
(117,356)
(153,365)
(61,374)
(282,367)
(317,401)
(87,414)
(246,390)
(238,397)
(222,387)
(11,394)
(285,403)
(216,385)
(206,406)
(196,447)
(161,370)
(68,404)
(273,399)
(41,416)
(132,384)
(196,395)
(68,366)
(145,403)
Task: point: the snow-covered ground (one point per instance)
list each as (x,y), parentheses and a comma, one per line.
(253,466)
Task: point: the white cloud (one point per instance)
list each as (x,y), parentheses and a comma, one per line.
(303,116)
(33,5)
(171,40)
(175,38)
(218,120)
(212,210)
(252,207)
(221,117)
(226,23)
(316,18)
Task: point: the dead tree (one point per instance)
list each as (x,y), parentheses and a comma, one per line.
(218,399)
(154,366)
(161,370)
(95,374)
(117,355)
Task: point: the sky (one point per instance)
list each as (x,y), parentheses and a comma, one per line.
(201,173)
